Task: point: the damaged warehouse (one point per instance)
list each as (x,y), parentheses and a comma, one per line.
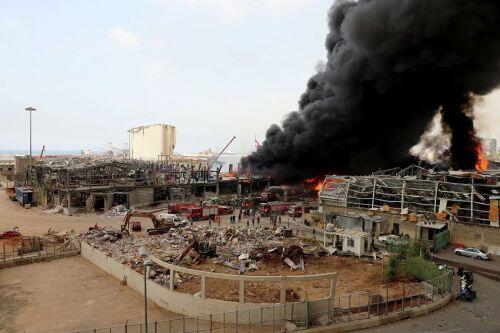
(80,185)
(420,203)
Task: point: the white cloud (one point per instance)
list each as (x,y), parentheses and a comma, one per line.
(158,42)
(123,37)
(158,69)
(234,9)
(13,25)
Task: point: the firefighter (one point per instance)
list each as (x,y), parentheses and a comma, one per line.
(279,219)
(314,234)
(239,218)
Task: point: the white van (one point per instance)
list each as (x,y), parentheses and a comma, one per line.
(178,220)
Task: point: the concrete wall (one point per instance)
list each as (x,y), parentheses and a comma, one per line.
(21,163)
(190,305)
(483,237)
(148,142)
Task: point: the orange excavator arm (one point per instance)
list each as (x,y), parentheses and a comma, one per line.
(138,213)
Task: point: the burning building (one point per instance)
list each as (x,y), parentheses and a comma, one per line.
(392,66)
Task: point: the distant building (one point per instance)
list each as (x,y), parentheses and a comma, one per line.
(492,149)
(152,142)
(489,147)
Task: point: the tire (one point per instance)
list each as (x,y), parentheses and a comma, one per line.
(458,253)
(478,258)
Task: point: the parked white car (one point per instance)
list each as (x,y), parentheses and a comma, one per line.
(384,238)
(472,252)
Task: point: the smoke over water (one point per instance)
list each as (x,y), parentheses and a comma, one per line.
(392,65)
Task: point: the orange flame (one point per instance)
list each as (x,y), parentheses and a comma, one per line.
(481,162)
(314,183)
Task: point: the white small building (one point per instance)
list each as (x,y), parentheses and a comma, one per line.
(349,240)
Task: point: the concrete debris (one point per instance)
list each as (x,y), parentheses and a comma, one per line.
(243,256)
(290,326)
(56,210)
(119,210)
(236,247)
(330,249)
(291,264)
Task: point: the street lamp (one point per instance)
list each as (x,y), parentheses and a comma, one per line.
(30,110)
(145,263)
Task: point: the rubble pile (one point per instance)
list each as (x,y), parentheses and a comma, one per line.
(236,247)
(119,210)
(65,240)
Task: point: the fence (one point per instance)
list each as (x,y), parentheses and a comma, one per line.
(14,249)
(303,315)
(441,241)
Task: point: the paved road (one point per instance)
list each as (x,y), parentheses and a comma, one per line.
(479,316)
(487,265)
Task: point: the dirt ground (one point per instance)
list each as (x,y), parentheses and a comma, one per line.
(67,295)
(353,275)
(35,222)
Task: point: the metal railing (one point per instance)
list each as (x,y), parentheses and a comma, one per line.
(302,315)
(14,250)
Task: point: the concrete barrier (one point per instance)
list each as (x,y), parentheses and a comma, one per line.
(188,304)
(260,314)
(383,319)
(33,259)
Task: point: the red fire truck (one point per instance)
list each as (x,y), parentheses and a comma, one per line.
(201,213)
(274,208)
(295,211)
(224,210)
(179,208)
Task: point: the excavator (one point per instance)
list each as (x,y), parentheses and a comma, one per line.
(204,248)
(161,226)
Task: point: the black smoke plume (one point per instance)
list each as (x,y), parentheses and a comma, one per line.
(391,66)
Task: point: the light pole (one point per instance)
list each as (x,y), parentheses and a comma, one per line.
(145,263)
(30,110)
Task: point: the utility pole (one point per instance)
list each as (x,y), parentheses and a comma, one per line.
(30,110)
(143,253)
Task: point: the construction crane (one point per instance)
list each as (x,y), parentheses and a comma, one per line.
(41,153)
(222,151)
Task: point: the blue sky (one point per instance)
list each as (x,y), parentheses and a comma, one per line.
(212,68)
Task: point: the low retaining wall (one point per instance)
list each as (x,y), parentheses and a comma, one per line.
(190,305)
(32,259)
(384,319)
